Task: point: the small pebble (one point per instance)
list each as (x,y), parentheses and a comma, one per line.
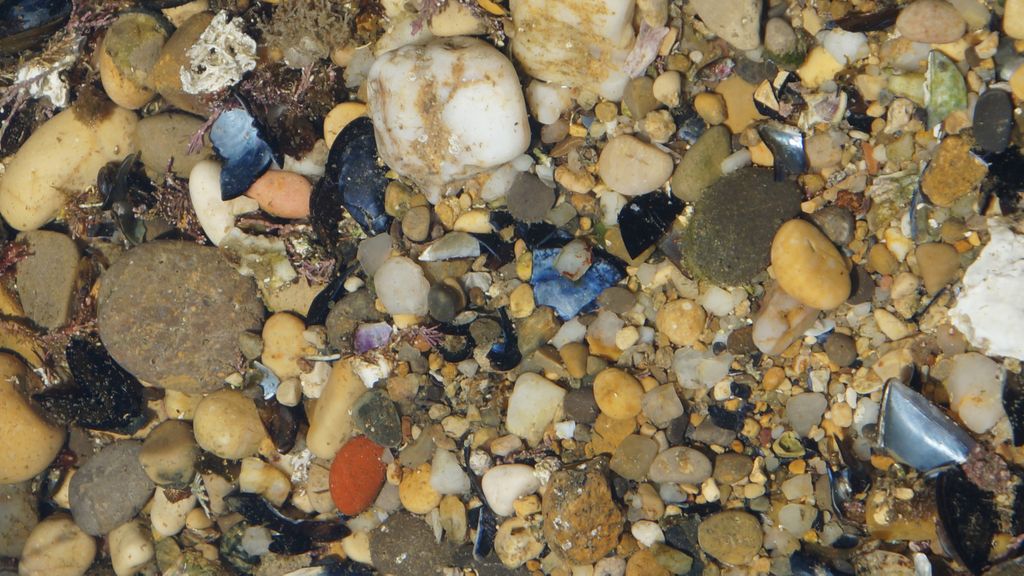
(682,321)
(804,411)
(680,464)
(110,488)
(617,393)
(503,484)
(580,517)
(533,405)
(631,167)
(633,457)
(357,474)
(416,493)
(841,349)
(732,536)
(931,22)
(808,266)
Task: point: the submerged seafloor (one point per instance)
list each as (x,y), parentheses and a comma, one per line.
(568,287)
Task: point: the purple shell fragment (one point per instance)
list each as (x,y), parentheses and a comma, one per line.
(371,336)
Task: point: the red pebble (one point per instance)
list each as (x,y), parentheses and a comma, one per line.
(357,475)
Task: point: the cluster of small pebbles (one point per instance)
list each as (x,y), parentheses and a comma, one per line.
(484,287)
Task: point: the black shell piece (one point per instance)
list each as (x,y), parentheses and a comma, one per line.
(281,422)
(104,396)
(499,252)
(501,219)
(968,517)
(123,185)
(542,235)
(486,530)
(292,536)
(1013,403)
(787,146)
(645,219)
(869,22)
(1005,179)
(455,334)
(243,144)
(727,419)
(354,180)
(321,305)
(857,110)
(27,23)
(505,355)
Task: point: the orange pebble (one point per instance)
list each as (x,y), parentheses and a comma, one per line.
(282,194)
(357,475)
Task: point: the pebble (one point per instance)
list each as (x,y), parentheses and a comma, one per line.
(946,92)
(166,75)
(47,279)
(282,194)
(168,517)
(416,223)
(445,301)
(675,561)
(939,264)
(339,117)
(404,545)
(732,536)
(661,405)
(515,543)
(357,475)
(779,38)
(701,164)
(446,474)
(504,484)
(283,345)
(548,101)
(330,423)
(30,441)
(836,222)
(797,518)
(401,286)
(110,488)
(57,547)
(682,465)
(975,384)
(953,173)
(739,103)
(474,125)
(617,393)
(169,454)
(824,150)
(643,563)
(581,520)
(738,22)
(130,548)
(710,107)
(841,349)
(1017,83)
(633,457)
(731,467)
(216,216)
(415,491)
(1013,19)
(170,313)
(374,415)
(353,310)
(730,235)
(533,405)
(127,55)
(580,405)
(647,533)
(18,516)
(632,167)
(804,411)
(529,198)
(931,22)
(64,153)
(228,425)
(809,267)
(164,139)
(993,118)
(681,321)
(638,99)
(667,88)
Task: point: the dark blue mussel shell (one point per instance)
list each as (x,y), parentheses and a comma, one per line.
(569,298)
(25,23)
(354,180)
(645,219)
(247,153)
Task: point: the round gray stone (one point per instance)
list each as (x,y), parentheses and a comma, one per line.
(110,489)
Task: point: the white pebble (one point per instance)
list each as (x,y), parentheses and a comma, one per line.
(535,402)
(447,475)
(502,485)
(647,532)
(975,386)
(401,286)
(130,548)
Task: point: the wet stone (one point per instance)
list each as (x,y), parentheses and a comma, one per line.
(732,536)
(580,406)
(836,222)
(416,223)
(731,467)
(841,349)
(633,457)
(405,546)
(711,434)
(110,488)
(729,238)
(805,410)
(444,302)
(18,515)
(530,199)
(617,299)
(346,315)
(46,279)
(953,173)
(993,120)
(680,464)
(172,312)
(581,520)
(701,164)
(375,415)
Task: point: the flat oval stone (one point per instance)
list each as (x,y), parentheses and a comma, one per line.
(734,537)
(171,313)
(680,464)
(931,22)
(809,267)
(993,120)
(110,488)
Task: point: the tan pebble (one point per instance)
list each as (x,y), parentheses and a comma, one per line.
(30,442)
(818,67)
(881,260)
(282,194)
(809,267)
(1017,84)
(284,345)
(574,356)
(520,301)
(515,544)
(939,264)
(228,425)
(579,182)
(710,107)
(931,22)
(732,536)
(618,394)
(668,87)
(57,547)
(632,167)
(643,563)
(890,325)
(953,173)
(739,103)
(682,321)
(474,222)
(119,88)
(415,492)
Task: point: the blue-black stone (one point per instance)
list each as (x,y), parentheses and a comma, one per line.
(247,153)
(646,218)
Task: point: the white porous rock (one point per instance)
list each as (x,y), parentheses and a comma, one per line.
(219,59)
(446,110)
(975,386)
(57,547)
(504,484)
(535,402)
(216,216)
(988,311)
(401,286)
(581,44)
(131,548)
(548,101)
(447,475)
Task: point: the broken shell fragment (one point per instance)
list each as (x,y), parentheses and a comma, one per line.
(918,433)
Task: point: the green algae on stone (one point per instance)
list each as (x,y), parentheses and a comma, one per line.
(946,90)
(701,165)
(729,237)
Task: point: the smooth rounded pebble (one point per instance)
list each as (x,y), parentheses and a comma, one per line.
(503,484)
(401,286)
(284,345)
(618,394)
(227,425)
(732,536)
(281,193)
(357,475)
(130,548)
(931,22)
(57,547)
(682,321)
(330,423)
(30,442)
(110,488)
(680,464)
(632,167)
(809,267)
(416,493)
(169,454)
(534,403)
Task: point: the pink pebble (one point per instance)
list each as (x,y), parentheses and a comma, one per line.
(282,194)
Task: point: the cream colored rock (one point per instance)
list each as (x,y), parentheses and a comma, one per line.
(169,454)
(1013,19)
(632,167)
(119,88)
(228,425)
(284,345)
(416,493)
(780,321)
(127,55)
(476,118)
(64,154)
(30,442)
(168,518)
(456,19)
(339,117)
(809,267)
(818,67)
(515,543)
(505,483)
(618,394)
(534,404)
(330,421)
(57,547)
(181,405)
(258,477)
(547,101)
(216,216)
(130,548)
(682,321)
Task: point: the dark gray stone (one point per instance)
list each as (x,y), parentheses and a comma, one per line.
(841,349)
(530,199)
(993,120)
(110,489)
(617,299)
(18,515)
(836,222)
(347,314)
(444,302)
(376,416)
(405,546)
(580,406)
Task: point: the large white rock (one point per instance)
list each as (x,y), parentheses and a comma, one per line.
(988,310)
(446,110)
(582,44)
(502,485)
(534,403)
(975,386)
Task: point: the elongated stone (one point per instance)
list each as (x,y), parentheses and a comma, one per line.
(947,90)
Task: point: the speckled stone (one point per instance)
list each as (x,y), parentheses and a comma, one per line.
(581,520)
(732,536)
(110,488)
